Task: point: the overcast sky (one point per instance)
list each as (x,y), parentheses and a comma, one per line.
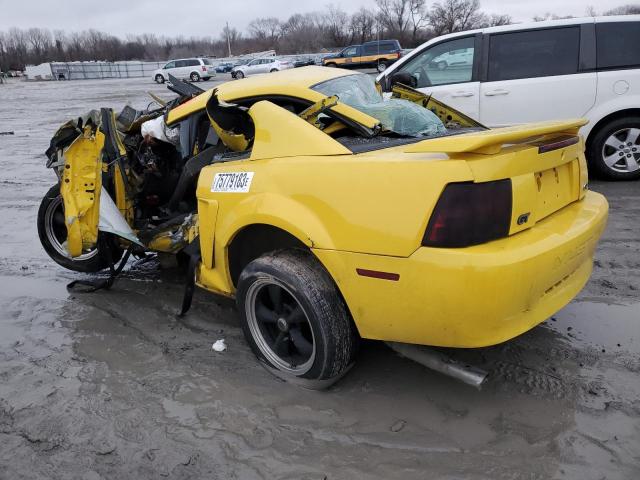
(207,17)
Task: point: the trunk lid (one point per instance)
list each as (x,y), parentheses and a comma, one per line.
(544,161)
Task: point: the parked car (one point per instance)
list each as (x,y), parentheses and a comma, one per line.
(378,53)
(303,62)
(260,65)
(455,58)
(195,69)
(587,67)
(477,236)
(224,67)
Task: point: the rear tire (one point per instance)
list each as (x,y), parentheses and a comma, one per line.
(273,70)
(159,79)
(331,65)
(381,67)
(195,77)
(614,151)
(293,316)
(53,233)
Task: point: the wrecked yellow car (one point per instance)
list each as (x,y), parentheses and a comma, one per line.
(331,213)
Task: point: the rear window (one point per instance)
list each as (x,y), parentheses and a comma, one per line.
(206,61)
(536,53)
(618,44)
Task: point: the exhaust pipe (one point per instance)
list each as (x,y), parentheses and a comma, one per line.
(442,363)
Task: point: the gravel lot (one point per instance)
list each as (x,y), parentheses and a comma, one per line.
(114,385)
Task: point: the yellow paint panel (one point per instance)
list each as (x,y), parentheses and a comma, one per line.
(474,296)
(280,133)
(80,190)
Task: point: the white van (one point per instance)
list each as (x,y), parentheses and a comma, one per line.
(195,69)
(588,67)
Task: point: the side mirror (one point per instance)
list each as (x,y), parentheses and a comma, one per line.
(403,78)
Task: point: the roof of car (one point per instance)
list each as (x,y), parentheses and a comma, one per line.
(510,28)
(292,82)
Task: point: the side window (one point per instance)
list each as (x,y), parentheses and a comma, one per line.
(193,63)
(370,50)
(181,63)
(536,53)
(439,65)
(386,47)
(350,52)
(617,44)
(170,65)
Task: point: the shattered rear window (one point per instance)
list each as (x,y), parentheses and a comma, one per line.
(399,116)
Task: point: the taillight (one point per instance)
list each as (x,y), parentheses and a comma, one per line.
(470,214)
(204,69)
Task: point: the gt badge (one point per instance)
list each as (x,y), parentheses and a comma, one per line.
(524,218)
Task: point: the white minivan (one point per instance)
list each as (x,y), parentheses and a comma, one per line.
(195,69)
(588,67)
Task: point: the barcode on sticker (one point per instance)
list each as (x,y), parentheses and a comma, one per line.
(232,182)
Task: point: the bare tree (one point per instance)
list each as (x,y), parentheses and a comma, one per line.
(455,16)
(362,25)
(395,16)
(266,31)
(335,24)
(419,15)
(494,20)
(550,16)
(624,10)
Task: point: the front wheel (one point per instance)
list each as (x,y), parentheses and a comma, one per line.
(53,236)
(159,79)
(293,316)
(614,151)
(273,70)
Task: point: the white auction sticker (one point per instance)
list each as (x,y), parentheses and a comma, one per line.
(232,182)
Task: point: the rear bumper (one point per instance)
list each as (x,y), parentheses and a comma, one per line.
(475,296)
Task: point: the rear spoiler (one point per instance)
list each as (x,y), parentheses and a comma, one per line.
(490,142)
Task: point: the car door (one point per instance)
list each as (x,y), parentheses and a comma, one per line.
(253,66)
(180,69)
(456,85)
(169,68)
(535,75)
(268,64)
(351,56)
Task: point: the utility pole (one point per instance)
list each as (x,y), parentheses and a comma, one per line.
(228,39)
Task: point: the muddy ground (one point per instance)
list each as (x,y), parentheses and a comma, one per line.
(114,385)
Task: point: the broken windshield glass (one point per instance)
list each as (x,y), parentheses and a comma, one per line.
(399,116)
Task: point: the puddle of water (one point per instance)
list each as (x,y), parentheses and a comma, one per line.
(25,286)
(610,327)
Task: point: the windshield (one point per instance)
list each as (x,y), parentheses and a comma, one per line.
(399,116)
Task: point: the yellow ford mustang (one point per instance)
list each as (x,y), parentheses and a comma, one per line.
(331,213)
